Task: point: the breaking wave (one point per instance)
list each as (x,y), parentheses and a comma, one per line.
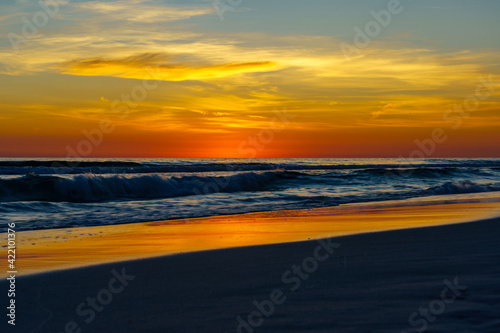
(94,188)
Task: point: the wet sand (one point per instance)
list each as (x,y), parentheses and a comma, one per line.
(55,249)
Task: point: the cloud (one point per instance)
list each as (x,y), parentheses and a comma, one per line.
(307,73)
(155,66)
(383,109)
(142,11)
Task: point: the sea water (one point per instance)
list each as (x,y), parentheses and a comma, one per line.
(57,193)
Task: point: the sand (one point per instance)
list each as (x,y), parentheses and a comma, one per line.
(439,279)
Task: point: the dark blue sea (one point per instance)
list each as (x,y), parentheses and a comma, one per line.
(52,193)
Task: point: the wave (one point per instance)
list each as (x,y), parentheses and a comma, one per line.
(460,187)
(93,188)
(424,172)
(197,166)
(98,188)
(420,174)
(68,164)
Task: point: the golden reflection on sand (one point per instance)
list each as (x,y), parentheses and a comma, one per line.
(45,250)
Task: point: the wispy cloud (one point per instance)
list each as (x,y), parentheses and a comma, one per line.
(143,11)
(383,109)
(154,65)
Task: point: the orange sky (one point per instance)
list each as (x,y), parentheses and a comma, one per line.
(188,85)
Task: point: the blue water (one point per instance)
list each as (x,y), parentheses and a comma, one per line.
(45,193)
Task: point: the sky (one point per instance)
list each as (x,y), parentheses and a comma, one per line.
(250,78)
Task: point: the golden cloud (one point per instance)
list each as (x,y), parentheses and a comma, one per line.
(155,66)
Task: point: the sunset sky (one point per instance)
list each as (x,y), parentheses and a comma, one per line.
(162,78)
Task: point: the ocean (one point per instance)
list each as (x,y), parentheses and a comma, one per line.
(56,193)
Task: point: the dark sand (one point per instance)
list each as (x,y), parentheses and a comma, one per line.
(372,282)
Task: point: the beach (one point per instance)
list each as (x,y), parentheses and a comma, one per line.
(172,166)
(364,279)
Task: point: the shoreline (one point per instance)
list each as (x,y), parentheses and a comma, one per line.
(368,282)
(59,249)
